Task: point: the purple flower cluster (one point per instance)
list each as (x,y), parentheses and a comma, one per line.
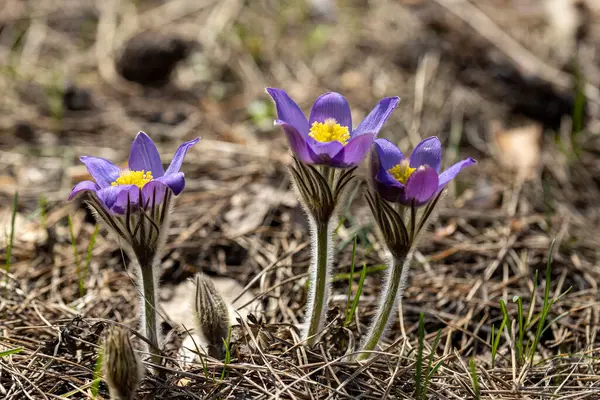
(327,137)
(144,183)
(413,180)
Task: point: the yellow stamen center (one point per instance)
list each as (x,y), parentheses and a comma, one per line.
(137,178)
(329,131)
(402,171)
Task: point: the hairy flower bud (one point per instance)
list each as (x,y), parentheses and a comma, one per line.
(122,369)
(211,315)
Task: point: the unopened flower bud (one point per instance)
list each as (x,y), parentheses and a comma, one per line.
(211,315)
(122,368)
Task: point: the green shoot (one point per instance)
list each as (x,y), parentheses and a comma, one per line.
(419,365)
(11,238)
(226,343)
(361,282)
(344,276)
(5,353)
(520,321)
(43,211)
(76,253)
(88,259)
(431,371)
(474,379)
(97,374)
(351,278)
(496,338)
(547,305)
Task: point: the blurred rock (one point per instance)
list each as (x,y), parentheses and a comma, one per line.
(77,99)
(149,58)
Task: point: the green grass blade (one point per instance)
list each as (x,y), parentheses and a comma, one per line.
(344,276)
(97,373)
(546,305)
(9,352)
(227,343)
(11,238)
(76,254)
(361,282)
(520,321)
(428,373)
(474,379)
(43,211)
(496,339)
(506,316)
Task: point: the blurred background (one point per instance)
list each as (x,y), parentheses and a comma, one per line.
(497,77)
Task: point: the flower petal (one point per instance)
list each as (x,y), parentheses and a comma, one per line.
(103,171)
(324,151)
(298,143)
(288,111)
(144,156)
(83,186)
(175,182)
(421,186)
(155,190)
(451,172)
(331,105)
(353,152)
(179,156)
(127,193)
(377,117)
(388,154)
(428,152)
(114,198)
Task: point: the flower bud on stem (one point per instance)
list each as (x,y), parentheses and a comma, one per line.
(121,365)
(211,316)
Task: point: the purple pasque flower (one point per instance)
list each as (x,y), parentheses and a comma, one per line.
(144,180)
(327,137)
(413,180)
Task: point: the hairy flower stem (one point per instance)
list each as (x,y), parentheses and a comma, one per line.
(392,292)
(149,324)
(319,290)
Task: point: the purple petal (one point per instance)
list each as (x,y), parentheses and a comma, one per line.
(144,156)
(388,154)
(353,152)
(428,152)
(298,143)
(155,190)
(331,105)
(422,185)
(175,182)
(103,171)
(324,151)
(387,186)
(451,172)
(179,156)
(83,186)
(377,117)
(127,193)
(110,195)
(288,111)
